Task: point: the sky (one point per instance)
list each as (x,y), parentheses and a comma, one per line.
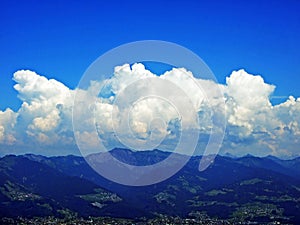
(60,39)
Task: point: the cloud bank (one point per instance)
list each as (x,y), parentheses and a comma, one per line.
(43,123)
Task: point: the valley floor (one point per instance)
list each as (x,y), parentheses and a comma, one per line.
(119,221)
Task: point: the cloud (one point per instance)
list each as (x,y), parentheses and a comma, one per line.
(136,108)
(43,120)
(247,97)
(253,122)
(7,123)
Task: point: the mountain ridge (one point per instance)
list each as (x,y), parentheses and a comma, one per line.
(227,187)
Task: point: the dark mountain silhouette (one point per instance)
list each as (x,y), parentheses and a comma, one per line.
(226,189)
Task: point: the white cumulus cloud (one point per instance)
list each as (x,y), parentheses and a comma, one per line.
(127,111)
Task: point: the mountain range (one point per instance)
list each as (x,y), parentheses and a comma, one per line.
(247,188)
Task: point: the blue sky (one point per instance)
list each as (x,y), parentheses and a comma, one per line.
(60,39)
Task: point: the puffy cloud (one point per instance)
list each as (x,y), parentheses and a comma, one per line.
(254,124)
(7,123)
(44,117)
(136,108)
(247,97)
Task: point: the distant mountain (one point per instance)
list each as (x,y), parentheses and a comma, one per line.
(292,164)
(30,187)
(227,154)
(287,167)
(239,189)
